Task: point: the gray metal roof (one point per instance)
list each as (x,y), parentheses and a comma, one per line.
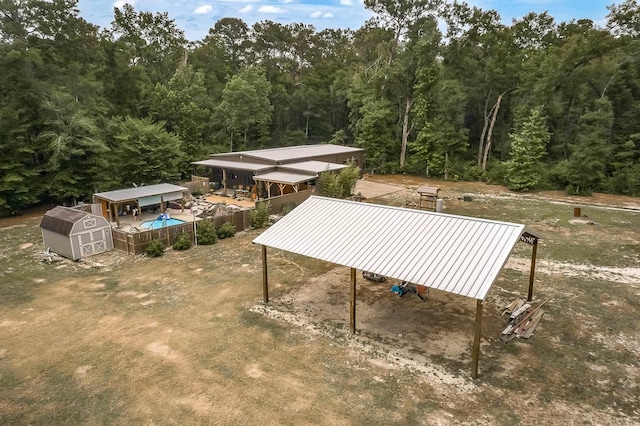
(312,166)
(128,194)
(456,254)
(295,152)
(236,165)
(284,177)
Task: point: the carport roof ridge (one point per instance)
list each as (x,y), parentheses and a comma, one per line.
(457,254)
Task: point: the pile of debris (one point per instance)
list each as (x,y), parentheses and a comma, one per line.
(523,319)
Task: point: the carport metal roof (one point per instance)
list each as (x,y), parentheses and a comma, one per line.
(456,254)
(313,166)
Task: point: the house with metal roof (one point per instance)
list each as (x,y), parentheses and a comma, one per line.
(279,170)
(74,233)
(456,254)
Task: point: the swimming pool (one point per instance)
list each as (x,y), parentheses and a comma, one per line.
(160,223)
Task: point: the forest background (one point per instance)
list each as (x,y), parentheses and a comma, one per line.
(433,88)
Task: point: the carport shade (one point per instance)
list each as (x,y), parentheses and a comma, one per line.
(457,254)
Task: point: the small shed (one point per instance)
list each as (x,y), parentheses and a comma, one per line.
(74,233)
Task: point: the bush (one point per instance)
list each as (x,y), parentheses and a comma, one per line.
(206,232)
(183,242)
(226,230)
(155,248)
(286,209)
(260,216)
(197,193)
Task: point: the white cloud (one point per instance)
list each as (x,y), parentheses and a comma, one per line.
(119,3)
(328,15)
(270,9)
(346,2)
(203,10)
(286,1)
(248,8)
(316,14)
(319,14)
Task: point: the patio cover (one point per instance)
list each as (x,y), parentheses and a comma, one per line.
(131,194)
(456,254)
(287,178)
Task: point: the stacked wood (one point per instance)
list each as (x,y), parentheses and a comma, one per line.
(523,319)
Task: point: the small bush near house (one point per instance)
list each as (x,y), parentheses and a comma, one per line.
(155,248)
(226,230)
(260,216)
(183,242)
(206,233)
(197,193)
(286,209)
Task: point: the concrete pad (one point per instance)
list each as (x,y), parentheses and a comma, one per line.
(374,189)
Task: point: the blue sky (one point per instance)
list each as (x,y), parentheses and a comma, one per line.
(195,17)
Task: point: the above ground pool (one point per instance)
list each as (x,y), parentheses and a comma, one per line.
(160,223)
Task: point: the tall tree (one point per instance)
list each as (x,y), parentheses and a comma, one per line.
(528,145)
(245,107)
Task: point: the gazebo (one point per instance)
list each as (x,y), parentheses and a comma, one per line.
(456,254)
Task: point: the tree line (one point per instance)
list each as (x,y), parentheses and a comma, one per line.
(435,88)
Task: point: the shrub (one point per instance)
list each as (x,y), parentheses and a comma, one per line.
(155,248)
(286,209)
(183,242)
(226,230)
(197,193)
(260,216)
(206,232)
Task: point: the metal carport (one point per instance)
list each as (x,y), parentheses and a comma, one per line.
(456,254)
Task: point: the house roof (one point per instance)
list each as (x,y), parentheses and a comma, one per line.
(235,165)
(294,152)
(312,166)
(61,219)
(284,177)
(456,254)
(128,194)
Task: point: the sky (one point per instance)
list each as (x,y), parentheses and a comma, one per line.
(195,17)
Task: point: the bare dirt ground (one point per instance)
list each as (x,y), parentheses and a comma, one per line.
(185,339)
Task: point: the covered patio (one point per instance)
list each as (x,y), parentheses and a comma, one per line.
(114,203)
(455,254)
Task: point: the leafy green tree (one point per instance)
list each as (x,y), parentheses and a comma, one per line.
(245,106)
(586,170)
(182,105)
(143,152)
(528,146)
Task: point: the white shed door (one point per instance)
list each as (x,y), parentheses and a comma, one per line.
(93,242)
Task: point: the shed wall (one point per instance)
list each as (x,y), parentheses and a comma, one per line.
(58,243)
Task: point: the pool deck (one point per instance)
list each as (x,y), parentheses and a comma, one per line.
(185,215)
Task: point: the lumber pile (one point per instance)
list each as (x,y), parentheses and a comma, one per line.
(523,319)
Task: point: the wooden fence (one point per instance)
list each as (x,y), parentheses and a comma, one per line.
(137,242)
(198,183)
(277,203)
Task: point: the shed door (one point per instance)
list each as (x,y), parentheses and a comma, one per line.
(93,242)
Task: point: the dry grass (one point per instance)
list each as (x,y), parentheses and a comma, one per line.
(178,340)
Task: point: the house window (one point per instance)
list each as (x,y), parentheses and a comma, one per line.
(89,223)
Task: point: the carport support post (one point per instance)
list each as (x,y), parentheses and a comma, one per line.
(476,341)
(353,301)
(532,272)
(265,276)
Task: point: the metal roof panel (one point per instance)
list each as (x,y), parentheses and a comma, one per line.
(457,254)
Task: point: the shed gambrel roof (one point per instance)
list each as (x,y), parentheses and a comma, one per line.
(61,219)
(457,254)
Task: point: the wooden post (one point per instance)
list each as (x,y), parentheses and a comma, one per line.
(265,276)
(117,215)
(476,341)
(353,302)
(532,272)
